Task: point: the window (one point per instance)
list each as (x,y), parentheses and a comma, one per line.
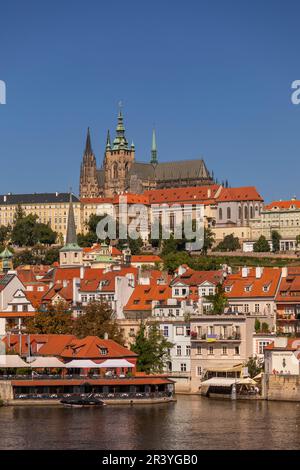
(178,350)
(256,308)
(228,213)
(210,350)
(179,330)
(14,308)
(170,312)
(166,330)
(261,346)
(188,331)
(25,308)
(103,351)
(199,350)
(183,367)
(188,350)
(199,371)
(246,308)
(176,292)
(224,351)
(237,350)
(84,298)
(211,291)
(177,312)
(220,214)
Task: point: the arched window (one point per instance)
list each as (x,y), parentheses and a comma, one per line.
(246,212)
(228,213)
(251,212)
(115,171)
(240,212)
(126,168)
(220,214)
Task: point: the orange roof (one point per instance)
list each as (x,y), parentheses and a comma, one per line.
(251,286)
(16,314)
(147,380)
(90,347)
(289,288)
(96,200)
(292,204)
(293,344)
(142,296)
(245,193)
(34,297)
(195,278)
(190,194)
(66,292)
(68,346)
(133,198)
(145,259)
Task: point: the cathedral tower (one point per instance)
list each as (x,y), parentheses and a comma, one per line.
(89,186)
(118,160)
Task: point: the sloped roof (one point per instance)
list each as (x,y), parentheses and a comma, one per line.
(143,295)
(239,285)
(244,193)
(196,278)
(201,194)
(281,205)
(36,198)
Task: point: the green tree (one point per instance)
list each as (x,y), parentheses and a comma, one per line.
(297,240)
(265,327)
(229,243)
(276,237)
(23,257)
(261,245)
(254,366)
(209,240)
(97,320)
(257,325)
(152,349)
(51,256)
(218,300)
(55,320)
(4,233)
(43,233)
(174,259)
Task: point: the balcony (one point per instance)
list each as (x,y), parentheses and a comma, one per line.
(211,338)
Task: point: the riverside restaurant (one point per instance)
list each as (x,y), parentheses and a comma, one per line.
(49,379)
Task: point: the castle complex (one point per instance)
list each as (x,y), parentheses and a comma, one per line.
(120,172)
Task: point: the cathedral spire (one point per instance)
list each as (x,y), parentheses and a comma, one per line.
(108,143)
(88,147)
(153,149)
(120,139)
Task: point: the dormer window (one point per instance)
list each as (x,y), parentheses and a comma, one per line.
(228,288)
(103,351)
(266,287)
(248,288)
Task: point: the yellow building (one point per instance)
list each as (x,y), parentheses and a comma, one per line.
(50,208)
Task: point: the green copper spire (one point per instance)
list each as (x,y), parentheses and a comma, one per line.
(120,139)
(153,149)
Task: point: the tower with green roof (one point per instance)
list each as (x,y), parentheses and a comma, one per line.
(6,263)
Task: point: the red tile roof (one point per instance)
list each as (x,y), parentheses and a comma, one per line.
(192,194)
(289,288)
(240,285)
(148,380)
(245,193)
(142,296)
(96,200)
(293,203)
(195,278)
(145,259)
(132,198)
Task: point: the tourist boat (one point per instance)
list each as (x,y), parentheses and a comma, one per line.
(81,402)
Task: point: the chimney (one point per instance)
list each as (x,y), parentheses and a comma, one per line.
(4,198)
(181,270)
(76,286)
(258,272)
(105,335)
(65,283)
(284,271)
(82,272)
(244,271)
(209,193)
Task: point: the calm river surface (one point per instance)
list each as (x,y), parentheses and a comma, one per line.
(191,423)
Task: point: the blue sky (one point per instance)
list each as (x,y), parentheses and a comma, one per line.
(213,76)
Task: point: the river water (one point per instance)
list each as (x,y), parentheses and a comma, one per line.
(190,423)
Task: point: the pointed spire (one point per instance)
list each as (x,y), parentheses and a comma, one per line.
(120,139)
(88,147)
(153,149)
(108,143)
(71,238)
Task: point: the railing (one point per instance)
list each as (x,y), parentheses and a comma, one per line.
(63,377)
(108,396)
(213,337)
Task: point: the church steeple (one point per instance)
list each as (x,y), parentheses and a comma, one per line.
(88,147)
(153,160)
(108,143)
(120,139)
(71,253)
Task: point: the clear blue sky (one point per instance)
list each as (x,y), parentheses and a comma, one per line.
(214,77)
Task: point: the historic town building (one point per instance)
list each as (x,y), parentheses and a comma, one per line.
(120,171)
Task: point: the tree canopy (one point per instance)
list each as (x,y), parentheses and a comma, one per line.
(56,319)
(152,349)
(262,245)
(229,243)
(27,231)
(218,300)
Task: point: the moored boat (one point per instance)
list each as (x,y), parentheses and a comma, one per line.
(81,402)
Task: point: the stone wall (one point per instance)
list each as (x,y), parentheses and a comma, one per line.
(281,387)
(6,390)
